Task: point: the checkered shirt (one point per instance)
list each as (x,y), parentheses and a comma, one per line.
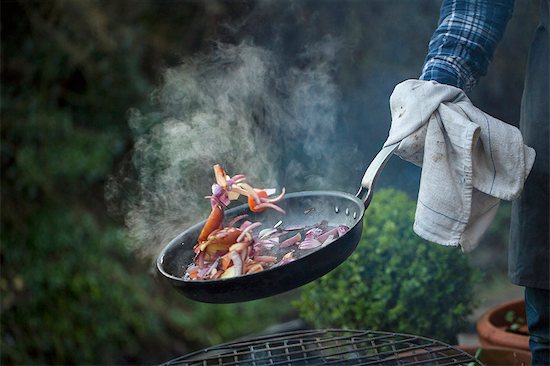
(462,46)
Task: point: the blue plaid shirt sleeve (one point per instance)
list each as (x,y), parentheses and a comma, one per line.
(463,44)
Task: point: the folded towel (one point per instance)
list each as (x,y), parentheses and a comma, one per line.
(469,160)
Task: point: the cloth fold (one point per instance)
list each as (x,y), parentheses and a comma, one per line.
(469,160)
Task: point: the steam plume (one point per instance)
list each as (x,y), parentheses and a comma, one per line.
(238,106)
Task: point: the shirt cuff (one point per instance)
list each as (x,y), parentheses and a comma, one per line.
(450,72)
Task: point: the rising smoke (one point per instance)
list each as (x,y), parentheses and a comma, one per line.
(240,106)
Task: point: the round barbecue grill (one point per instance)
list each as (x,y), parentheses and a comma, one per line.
(330,347)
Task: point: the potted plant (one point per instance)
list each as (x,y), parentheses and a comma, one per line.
(504,326)
(497,356)
(394,281)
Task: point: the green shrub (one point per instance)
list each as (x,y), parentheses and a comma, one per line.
(394,281)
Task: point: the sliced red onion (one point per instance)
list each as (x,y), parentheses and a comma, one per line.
(329,240)
(216,190)
(219,194)
(269,241)
(245,224)
(248,188)
(217,202)
(247,229)
(265,259)
(203,273)
(309,244)
(235,179)
(237,263)
(264,245)
(270,205)
(294,227)
(342,229)
(266,232)
(276,199)
(291,241)
(199,260)
(325,235)
(314,233)
(236,219)
(287,258)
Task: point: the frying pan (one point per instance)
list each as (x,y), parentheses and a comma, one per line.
(335,207)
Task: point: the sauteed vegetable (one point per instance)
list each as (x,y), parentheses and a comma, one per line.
(238,248)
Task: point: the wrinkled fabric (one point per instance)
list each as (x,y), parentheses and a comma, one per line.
(469,160)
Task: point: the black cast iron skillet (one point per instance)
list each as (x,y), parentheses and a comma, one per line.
(335,207)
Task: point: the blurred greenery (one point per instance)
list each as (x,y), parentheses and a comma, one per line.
(71,290)
(394,281)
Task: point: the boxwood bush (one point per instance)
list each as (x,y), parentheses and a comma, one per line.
(394,281)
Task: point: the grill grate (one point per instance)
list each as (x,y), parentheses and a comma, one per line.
(329,347)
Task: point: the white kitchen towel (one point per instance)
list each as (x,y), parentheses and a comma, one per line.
(469,160)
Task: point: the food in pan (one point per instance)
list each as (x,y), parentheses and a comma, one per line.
(240,247)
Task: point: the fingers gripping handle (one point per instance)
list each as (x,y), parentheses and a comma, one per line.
(373,171)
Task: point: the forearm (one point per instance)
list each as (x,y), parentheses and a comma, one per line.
(463,44)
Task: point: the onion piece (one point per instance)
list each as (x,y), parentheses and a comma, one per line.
(326,234)
(291,241)
(247,229)
(270,205)
(266,232)
(199,260)
(245,224)
(248,188)
(264,259)
(287,258)
(314,233)
(266,243)
(342,229)
(235,179)
(237,263)
(294,227)
(276,199)
(236,219)
(203,273)
(310,244)
(238,247)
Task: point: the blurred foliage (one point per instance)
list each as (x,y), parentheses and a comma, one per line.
(71,291)
(394,280)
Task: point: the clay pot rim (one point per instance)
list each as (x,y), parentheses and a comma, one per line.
(488,331)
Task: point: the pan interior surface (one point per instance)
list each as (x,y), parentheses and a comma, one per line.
(302,209)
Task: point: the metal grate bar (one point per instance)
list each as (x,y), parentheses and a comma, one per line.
(330,347)
(232,347)
(305,357)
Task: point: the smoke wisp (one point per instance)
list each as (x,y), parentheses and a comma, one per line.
(239,106)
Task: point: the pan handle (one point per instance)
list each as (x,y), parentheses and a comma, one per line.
(373,171)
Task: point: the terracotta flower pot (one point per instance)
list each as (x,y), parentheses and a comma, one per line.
(491,327)
(497,356)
